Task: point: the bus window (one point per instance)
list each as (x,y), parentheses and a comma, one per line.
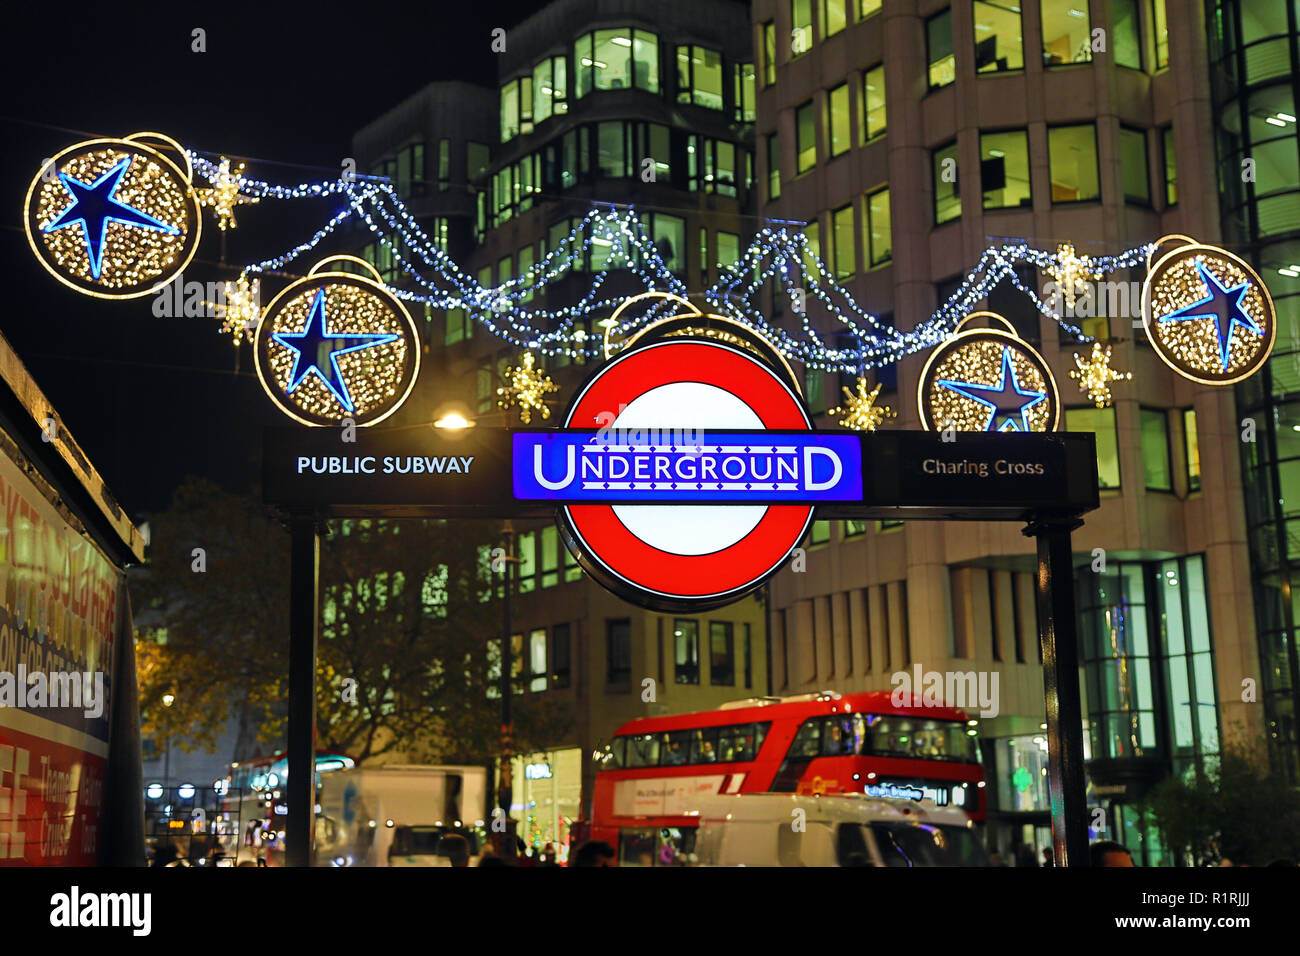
(643,750)
(807,742)
(760,734)
(737,743)
(611,756)
(636,848)
(704,745)
(843,735)
(916,737)
(676,749)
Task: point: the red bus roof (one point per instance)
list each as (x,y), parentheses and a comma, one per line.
(799,708)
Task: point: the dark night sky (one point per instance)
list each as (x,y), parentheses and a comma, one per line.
(154,399)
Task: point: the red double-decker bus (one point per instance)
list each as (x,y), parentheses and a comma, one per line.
(825,743)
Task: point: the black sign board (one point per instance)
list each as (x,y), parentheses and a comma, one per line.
(431,472)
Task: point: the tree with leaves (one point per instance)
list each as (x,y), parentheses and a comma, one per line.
(408,625)
(1237,807)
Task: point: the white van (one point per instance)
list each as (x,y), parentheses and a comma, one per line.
(767,829)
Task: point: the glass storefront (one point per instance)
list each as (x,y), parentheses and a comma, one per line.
(547,788)
(1254,66)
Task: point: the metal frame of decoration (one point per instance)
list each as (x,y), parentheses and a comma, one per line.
(1009,338)
(319,280)
(1191,249)
(192,229)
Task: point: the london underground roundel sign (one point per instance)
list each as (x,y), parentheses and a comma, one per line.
(670,406)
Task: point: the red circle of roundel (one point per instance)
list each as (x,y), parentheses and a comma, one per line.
(737,567)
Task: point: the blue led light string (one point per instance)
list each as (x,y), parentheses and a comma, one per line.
(502,309)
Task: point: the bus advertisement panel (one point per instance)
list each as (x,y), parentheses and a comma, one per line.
(59,635)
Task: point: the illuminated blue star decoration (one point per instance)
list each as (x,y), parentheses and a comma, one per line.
(1223,305)
(94,207)
(317,351)
(1007,402)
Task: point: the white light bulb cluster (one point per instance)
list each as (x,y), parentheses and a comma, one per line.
(505,310)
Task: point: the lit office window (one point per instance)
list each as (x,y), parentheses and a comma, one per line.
(537,659)
(616,60)
(457,327)
(1171,168)
(1127,37)
(686,651)
(800,27)
(805,142)
(769,53)
(1192,448)
(1160,25)
(821,532)
(572,570)
(1133,165)
(947,198)
(837,119)
(669,236)
(743,92)
(873,103)
(854,527)
(728,249)
(699,76)
(1155,450)
(812,234)
(867,7)
(525,259)
(509,111)
(844,251)
(773,166)
(1004,169)
(835,16)
(1101,422)
(704,254)
(1072,163)
(1067,32)
(526,570)
(879,244)
(998,41)
(722,651)
(938,45)
(550,88)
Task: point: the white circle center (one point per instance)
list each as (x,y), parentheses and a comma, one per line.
(682,410)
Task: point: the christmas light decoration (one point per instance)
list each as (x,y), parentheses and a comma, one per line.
(860,411)
(527,389)
(240,308)
(113,218)
(1072,273)
(224,195)
(510,312)
(987,380)
(335,346)
(1094,375)
(1207,314)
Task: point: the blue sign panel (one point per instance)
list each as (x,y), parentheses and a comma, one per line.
(687,467)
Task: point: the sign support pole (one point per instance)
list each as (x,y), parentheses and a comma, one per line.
(1066,780)
(304,627)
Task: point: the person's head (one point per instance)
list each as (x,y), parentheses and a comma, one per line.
(1109,853)
(1047,853)
(455,848)
(706,747)
(594,853)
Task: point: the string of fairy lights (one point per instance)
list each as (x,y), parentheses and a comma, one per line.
(509,310)
(118,219)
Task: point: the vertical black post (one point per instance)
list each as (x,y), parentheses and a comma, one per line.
(304,624)
(1057,632)
(506,792)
